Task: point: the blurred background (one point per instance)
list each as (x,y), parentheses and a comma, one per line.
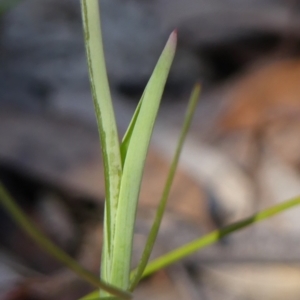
(242,153)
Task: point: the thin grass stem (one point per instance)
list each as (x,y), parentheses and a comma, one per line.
(28,227)
(211,238)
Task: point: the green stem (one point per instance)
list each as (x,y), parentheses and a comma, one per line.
(106,125)
(214,236)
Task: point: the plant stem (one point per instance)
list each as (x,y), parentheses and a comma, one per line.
(106,125)
(198,244)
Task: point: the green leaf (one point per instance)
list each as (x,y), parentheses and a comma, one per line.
(91,296)
(134,165)
(106,124)
(128,133)
(163,201)
(95,296)
(25,224)
(215,236)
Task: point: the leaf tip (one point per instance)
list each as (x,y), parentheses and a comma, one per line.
(198,86)
(173,38)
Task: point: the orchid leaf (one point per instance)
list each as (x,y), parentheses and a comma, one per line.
(128,133)
(134,165)
(106,124)
(161,208)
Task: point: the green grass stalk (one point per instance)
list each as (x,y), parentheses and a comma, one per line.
(211,238)
(106,126)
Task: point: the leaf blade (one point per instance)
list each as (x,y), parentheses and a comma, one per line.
(129,131)
(163,201)
(134,164)
(106,123)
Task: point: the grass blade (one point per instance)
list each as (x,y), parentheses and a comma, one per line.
(134,164)
(215,236)
(162,204)
(22,220)
(129,131)
(95,296)
(91,296)
(106,123)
